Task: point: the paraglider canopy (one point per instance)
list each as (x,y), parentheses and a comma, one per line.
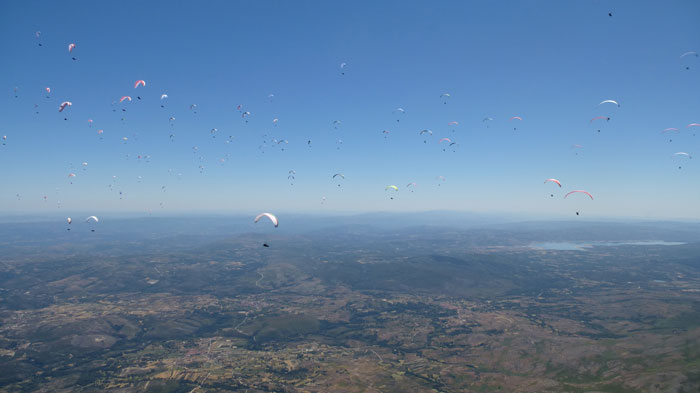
(268,215)
(92,219)
(579,191)
(669,129)
(609,102)
(553,181)
(599,118)
(64,105)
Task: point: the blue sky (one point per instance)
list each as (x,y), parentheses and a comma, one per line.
(550,62)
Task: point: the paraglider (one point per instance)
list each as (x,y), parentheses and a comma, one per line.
(71,46)
(682,154)
(665,130)
(453,124)
(48,92)
(516,118)
(342,68)
(578,191)
(445,140)
(445,97)
(412,185)
(606,118)
(391,187)
(425,132)
(341,176)
(37,35)
(92,219)
(401,112)
(386,133)
(557,182)
(69,220)
(139,82)
(689,58)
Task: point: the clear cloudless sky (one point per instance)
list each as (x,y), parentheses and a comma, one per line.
(549,62)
